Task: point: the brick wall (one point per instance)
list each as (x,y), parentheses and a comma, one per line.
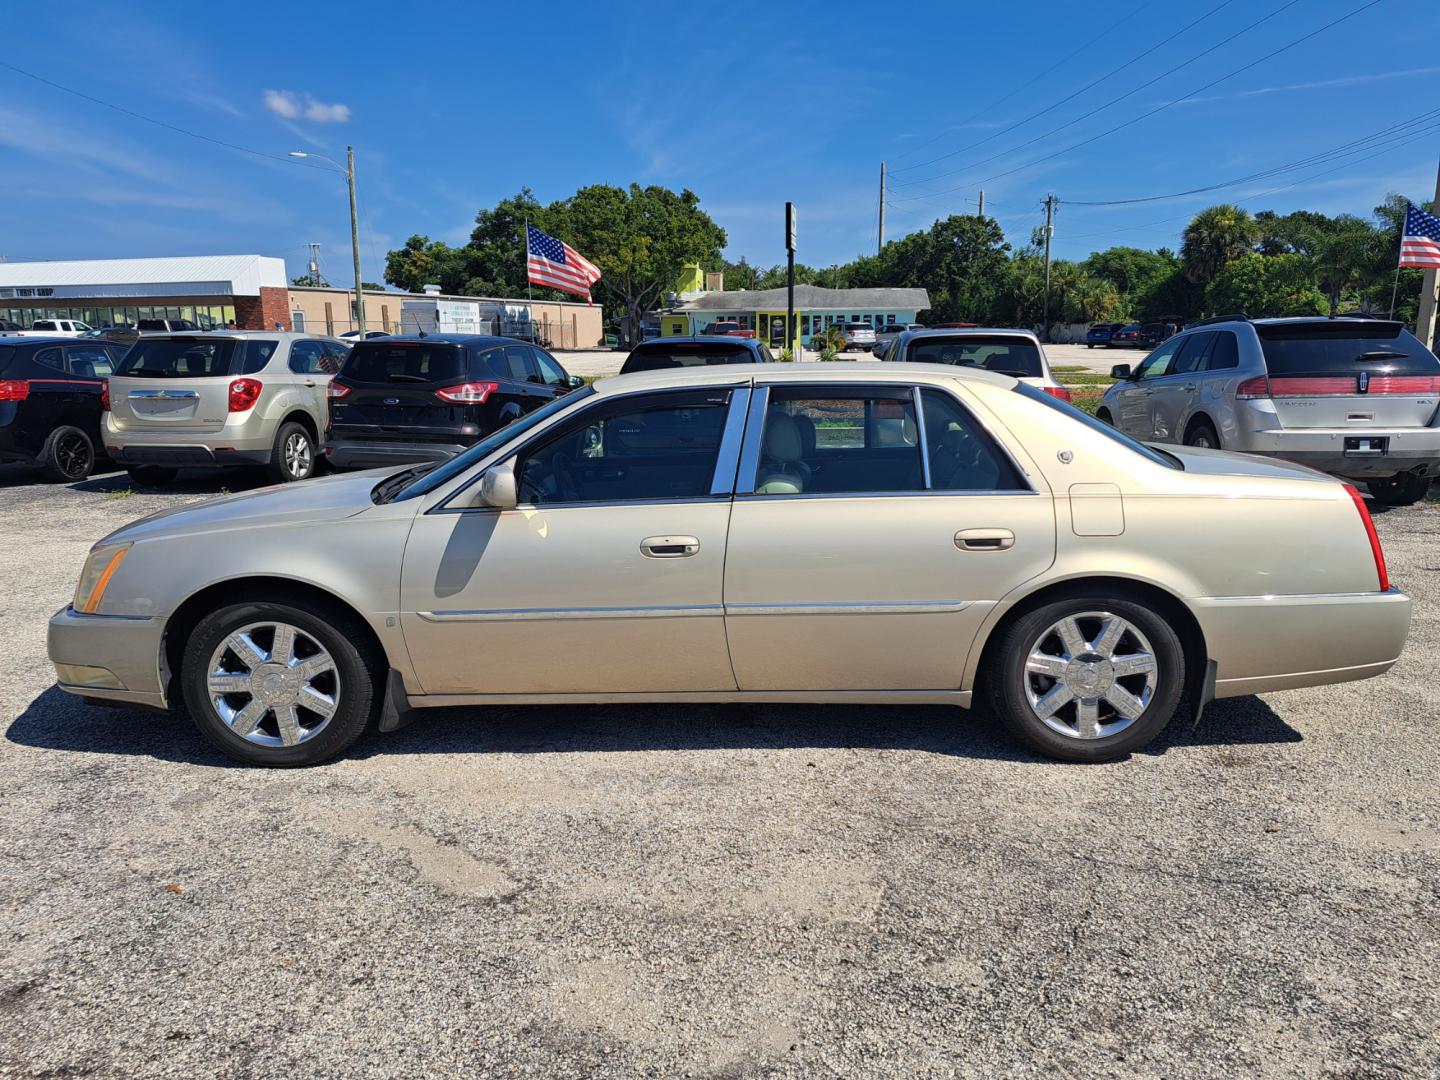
(264,311)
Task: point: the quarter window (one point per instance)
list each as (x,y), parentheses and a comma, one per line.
(50,358)
(661,448)
(257,355)
(1224,353)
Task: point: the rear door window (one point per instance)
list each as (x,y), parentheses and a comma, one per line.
(520,365)
(1344,348)
(1001,353)
(962,456)
(382,361)
(841,440)
(308,357)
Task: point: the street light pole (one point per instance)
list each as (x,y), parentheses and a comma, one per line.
(349,171)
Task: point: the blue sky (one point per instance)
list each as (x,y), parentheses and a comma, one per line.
(453,107)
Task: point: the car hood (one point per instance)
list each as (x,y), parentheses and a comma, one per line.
(1229,463)
(330,498)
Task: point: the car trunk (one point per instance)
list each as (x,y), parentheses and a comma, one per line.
(1347,374)
(175,385)
(391,389)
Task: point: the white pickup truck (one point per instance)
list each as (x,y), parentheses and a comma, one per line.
(45,328)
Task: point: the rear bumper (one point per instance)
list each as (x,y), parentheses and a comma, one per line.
(1324,451)
(1263,643)
(376,453)
(108,657)
(186,456)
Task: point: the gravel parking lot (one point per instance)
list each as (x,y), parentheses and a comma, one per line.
(713,891)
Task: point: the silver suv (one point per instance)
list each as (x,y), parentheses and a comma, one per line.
(218,399)
(1356,397)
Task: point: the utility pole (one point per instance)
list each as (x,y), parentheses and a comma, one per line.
(1425,320)
(881,245)
(982,202)
(1049,230)
(315,262)
(355,241)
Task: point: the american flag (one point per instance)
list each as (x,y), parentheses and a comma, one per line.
(1420,242)
(556,264)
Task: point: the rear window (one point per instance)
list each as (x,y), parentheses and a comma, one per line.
(1336,348)
(404,361)
(993,352)
(178,358)
(660,356)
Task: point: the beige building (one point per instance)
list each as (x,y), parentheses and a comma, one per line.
(558,324)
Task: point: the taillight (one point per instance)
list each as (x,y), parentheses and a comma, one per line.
(105,396)
(1258,387)
(470,393)
(1062,392)
(336,390)
(1380,571)
(243,394)
(14,389)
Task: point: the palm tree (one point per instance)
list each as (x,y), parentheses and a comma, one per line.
(1213,238)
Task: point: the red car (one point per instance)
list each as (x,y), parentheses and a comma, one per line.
(727,329)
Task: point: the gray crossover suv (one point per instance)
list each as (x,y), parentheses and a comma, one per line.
(1356,397)
(217,399)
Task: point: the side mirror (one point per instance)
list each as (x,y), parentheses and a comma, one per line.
(574,382)
(1120,371)
(497,487)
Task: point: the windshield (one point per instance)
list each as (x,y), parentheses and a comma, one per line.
(178,358)
(660,356)
(386,361)
(1004,353)
(1051,402)
(446,471)
(1337,348)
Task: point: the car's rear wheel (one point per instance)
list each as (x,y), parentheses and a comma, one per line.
(152,475)
(1202,435)
(270,684)
(1402,489)
(68,455)
(293,457)
(1090,677)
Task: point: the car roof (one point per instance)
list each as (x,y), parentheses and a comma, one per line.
(975,331)
(721,339)
(456,339)
(33,339)
(842,371)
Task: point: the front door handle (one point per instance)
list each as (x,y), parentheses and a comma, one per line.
(669,547)
(984,539)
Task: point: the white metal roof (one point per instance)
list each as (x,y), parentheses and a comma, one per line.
(208,275)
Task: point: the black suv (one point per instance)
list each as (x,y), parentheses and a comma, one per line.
(398,400)
(51,393)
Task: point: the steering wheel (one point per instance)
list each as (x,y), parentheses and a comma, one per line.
(565,482)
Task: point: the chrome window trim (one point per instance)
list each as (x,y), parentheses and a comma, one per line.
(563,416)
(540,508)
(919,407)
(168,395)
(750,449)
(749,495)
(727,460)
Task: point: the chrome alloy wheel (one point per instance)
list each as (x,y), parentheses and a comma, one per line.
(1090,675)
(298,455)
(273,685)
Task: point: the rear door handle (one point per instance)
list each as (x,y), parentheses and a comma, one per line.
(984,539)
(669,547)
(1189,386)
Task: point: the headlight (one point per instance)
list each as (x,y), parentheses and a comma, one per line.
(99,569)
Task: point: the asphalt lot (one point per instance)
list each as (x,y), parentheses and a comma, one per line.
(713,891)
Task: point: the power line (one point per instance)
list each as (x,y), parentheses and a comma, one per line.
(152,120)
(1163,106)
(1069,97)
(1048,71)
(1116,100)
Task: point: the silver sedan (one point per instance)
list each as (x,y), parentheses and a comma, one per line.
(877,533)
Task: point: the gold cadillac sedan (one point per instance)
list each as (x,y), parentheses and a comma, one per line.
(876,533)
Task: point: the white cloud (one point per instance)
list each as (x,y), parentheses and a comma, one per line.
(289,105)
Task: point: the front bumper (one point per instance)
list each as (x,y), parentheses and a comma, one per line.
(1263,643)
(372,454)
(111,657)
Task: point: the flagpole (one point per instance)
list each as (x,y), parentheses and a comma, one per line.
(1395,287)
(529,292)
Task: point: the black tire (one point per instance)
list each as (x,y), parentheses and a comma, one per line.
(1089,345)
(286,466)
(152,475)
(1103,415)
(1402,489)
(68,455)
(1006,680)
(356,689)
(1202,434)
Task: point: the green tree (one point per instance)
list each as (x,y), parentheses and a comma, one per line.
(1265,285)
(1213,238)
(422,262)
(309,281)
(1130,270)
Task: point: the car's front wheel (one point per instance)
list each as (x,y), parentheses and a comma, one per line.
(271,684)
(1402,489)
(1103,415)
(1087,678)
